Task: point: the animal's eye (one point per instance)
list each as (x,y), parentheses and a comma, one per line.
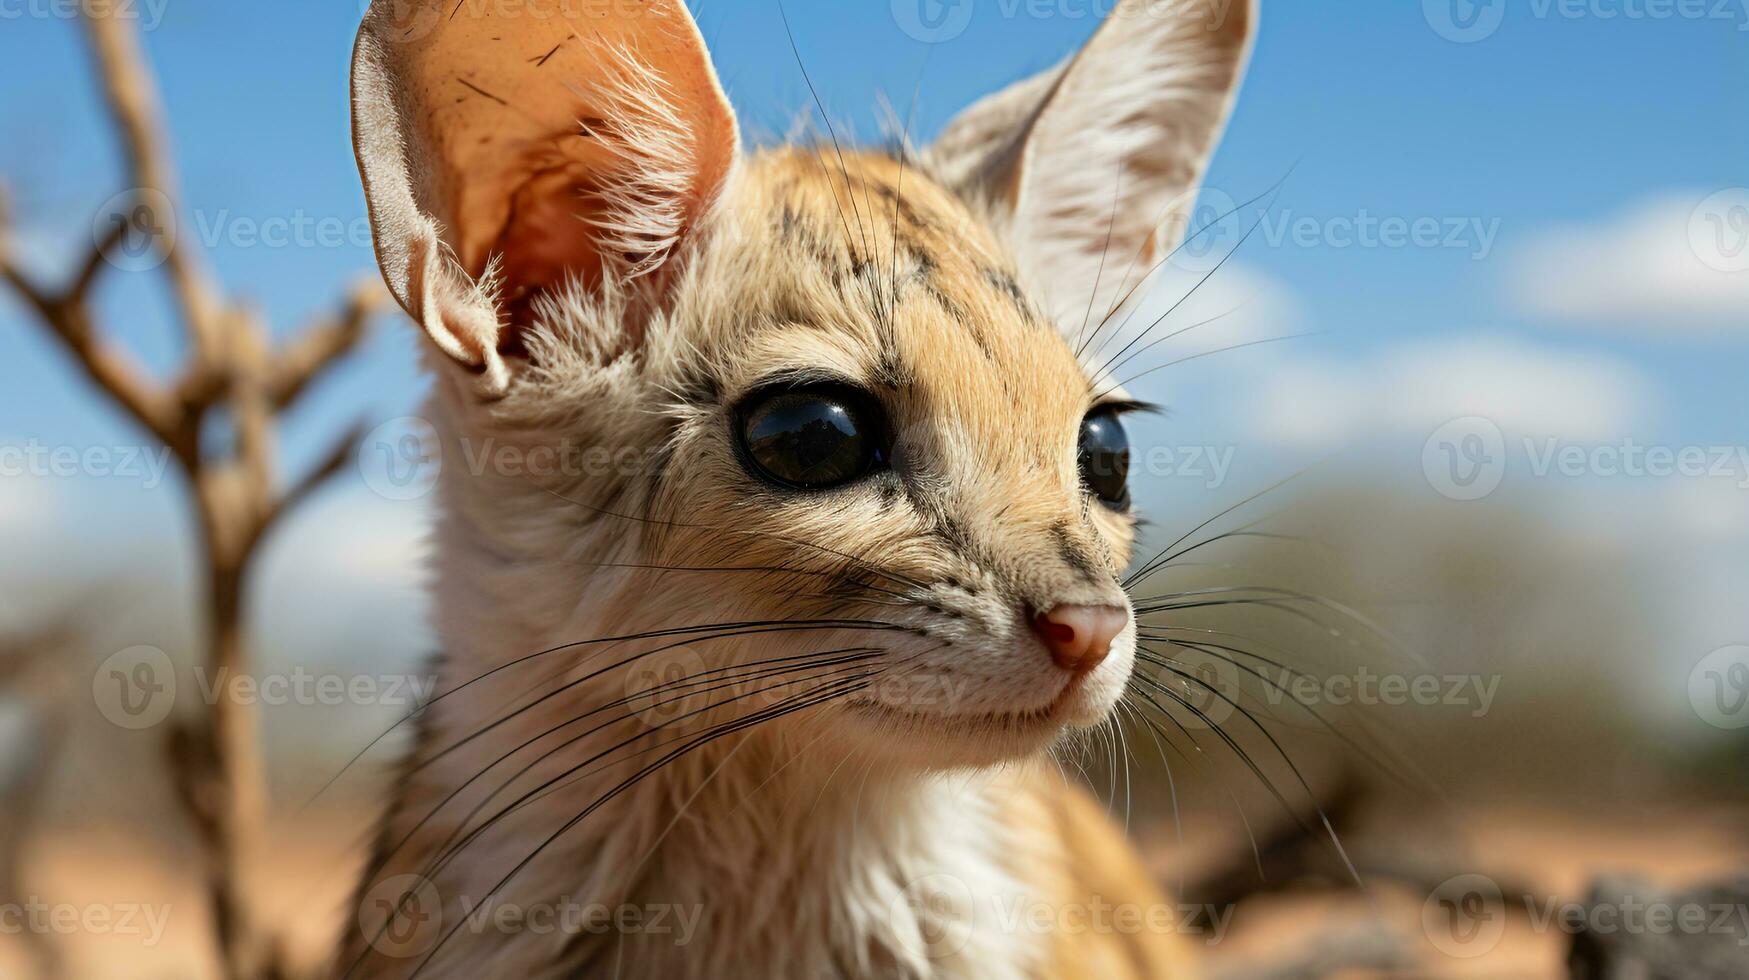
(812,439)
(1105,459)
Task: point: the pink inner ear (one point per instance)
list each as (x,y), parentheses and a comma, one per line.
(547,238)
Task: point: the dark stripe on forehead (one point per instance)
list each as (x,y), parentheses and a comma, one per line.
(892,199)
(1005,284)
(1074,553)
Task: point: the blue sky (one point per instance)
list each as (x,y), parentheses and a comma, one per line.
(1576,137)
(1552,119)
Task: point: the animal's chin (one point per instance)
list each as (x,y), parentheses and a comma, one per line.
(958,740)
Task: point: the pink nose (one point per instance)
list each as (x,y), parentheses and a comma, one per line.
(1079,637)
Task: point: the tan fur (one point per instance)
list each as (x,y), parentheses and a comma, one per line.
(1080,861)
(831,841)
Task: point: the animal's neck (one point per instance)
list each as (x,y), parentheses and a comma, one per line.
(774,846)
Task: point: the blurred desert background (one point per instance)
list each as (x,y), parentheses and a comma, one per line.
(1457,408)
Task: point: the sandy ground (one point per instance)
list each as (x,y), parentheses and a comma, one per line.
(157,927)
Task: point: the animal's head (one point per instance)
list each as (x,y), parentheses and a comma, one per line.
(831,386)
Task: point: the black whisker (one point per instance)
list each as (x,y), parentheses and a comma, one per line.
(826,118)
(837,689)
(1198,356)
(812,661)
(724,631)
(1110,225)
(1129,293)
(1200,282)
(1245,757)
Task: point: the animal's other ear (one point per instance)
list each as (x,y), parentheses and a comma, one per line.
(513,147)
(1083,162)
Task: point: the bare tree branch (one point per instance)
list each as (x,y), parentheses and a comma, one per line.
(330,463)
(68,319)
(132,98)
(232,373)
(324,344)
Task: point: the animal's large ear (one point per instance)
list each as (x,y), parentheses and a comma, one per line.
(1084,162)
(506,148)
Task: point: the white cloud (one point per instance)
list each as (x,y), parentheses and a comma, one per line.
(1525,389)
(1672,263)
(346,579)
(24,504)
(1182,315)
(351,538)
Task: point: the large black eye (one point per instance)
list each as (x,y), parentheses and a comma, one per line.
(1105,459)
(811,439)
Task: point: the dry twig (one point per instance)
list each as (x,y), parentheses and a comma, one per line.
(233,368)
